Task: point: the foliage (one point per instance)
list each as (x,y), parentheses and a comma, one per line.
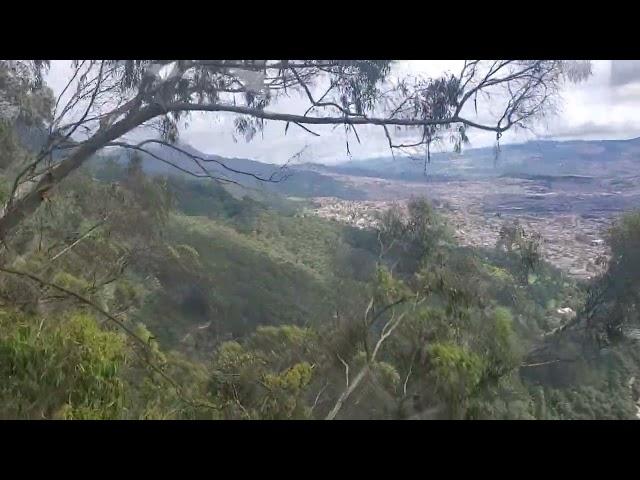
(250,385)
(69,368)
(255,310)
(526,246)
(238,307)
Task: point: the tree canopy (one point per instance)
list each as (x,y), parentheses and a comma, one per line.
(128,295)
(106,99)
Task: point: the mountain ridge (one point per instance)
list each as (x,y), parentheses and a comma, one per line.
(545,158)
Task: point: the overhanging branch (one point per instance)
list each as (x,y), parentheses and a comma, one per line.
(343,120)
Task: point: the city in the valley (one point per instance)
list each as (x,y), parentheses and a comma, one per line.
(573,229)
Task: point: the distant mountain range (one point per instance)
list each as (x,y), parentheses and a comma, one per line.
(292,181)
(570,159)
(599,158)
(573,160)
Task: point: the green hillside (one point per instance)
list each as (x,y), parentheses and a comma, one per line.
(242,308)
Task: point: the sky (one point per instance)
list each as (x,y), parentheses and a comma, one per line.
(606,106)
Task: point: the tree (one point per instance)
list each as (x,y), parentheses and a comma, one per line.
(413,236)
(105,100)
(611,310)
(609,315)
(64,369)
(526,246)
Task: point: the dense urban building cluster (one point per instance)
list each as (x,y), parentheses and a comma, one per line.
(570,242)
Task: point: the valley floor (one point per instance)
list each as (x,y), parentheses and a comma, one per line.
(572,219)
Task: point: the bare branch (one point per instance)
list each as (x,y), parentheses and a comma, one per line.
(406,380)
(347,393)
(138,148)
(315,402)
(346,369)
(345,120)
(82,237)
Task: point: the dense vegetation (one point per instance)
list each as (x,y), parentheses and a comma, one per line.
(136,296)
(238,308)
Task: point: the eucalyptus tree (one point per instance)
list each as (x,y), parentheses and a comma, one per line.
(104,100)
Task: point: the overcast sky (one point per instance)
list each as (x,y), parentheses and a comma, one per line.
(606,106)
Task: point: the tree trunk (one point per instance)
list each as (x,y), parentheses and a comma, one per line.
(25,206)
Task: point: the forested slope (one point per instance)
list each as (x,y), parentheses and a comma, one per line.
(137,296)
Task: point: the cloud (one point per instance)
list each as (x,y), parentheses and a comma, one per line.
(624,72)
(595,131)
